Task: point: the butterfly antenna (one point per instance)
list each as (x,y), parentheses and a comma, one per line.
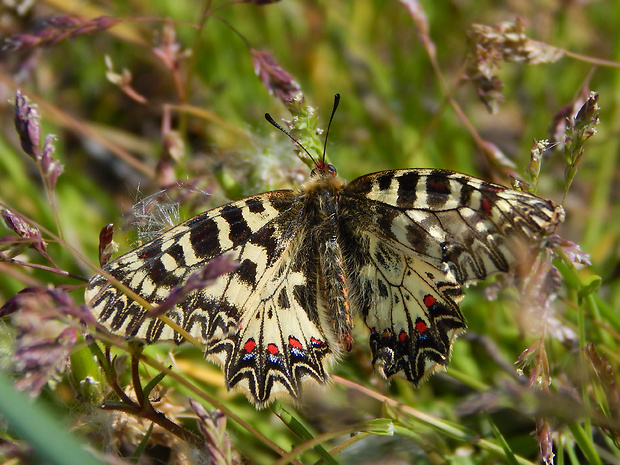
(329,125)
(273,123)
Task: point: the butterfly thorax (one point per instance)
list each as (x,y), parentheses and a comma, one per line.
(322,193)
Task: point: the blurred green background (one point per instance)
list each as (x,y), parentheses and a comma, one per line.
(132,124)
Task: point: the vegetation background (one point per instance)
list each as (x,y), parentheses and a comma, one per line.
(162,99)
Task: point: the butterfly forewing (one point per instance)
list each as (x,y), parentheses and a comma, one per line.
(476,227)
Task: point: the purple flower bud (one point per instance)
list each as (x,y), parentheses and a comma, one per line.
(212,425)
(20,42)
(105,22)
(588,113)
(23,229)
(64,21)
(59,28)
(105,243)
(276,79)
(48,151)
(19,226)
(43,340)
(27,125)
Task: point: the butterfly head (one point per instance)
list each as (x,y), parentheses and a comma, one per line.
(323,170)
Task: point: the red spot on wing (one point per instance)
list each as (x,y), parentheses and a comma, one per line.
(438,185)
(317,342)
(420,326)
(272,349)
(249,346)
(487,205)
(429,300)
(294,343)
(495,189)
(402,337)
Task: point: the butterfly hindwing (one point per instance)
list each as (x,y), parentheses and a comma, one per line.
(411,309)
(283,339)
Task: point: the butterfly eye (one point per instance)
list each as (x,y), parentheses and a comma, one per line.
(324,169)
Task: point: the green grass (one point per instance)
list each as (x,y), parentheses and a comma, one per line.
(401,107)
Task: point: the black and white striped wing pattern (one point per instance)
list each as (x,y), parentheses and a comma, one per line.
(422,234)
(262,323)
(393,247)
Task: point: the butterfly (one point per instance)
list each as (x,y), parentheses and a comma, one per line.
(393,248)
